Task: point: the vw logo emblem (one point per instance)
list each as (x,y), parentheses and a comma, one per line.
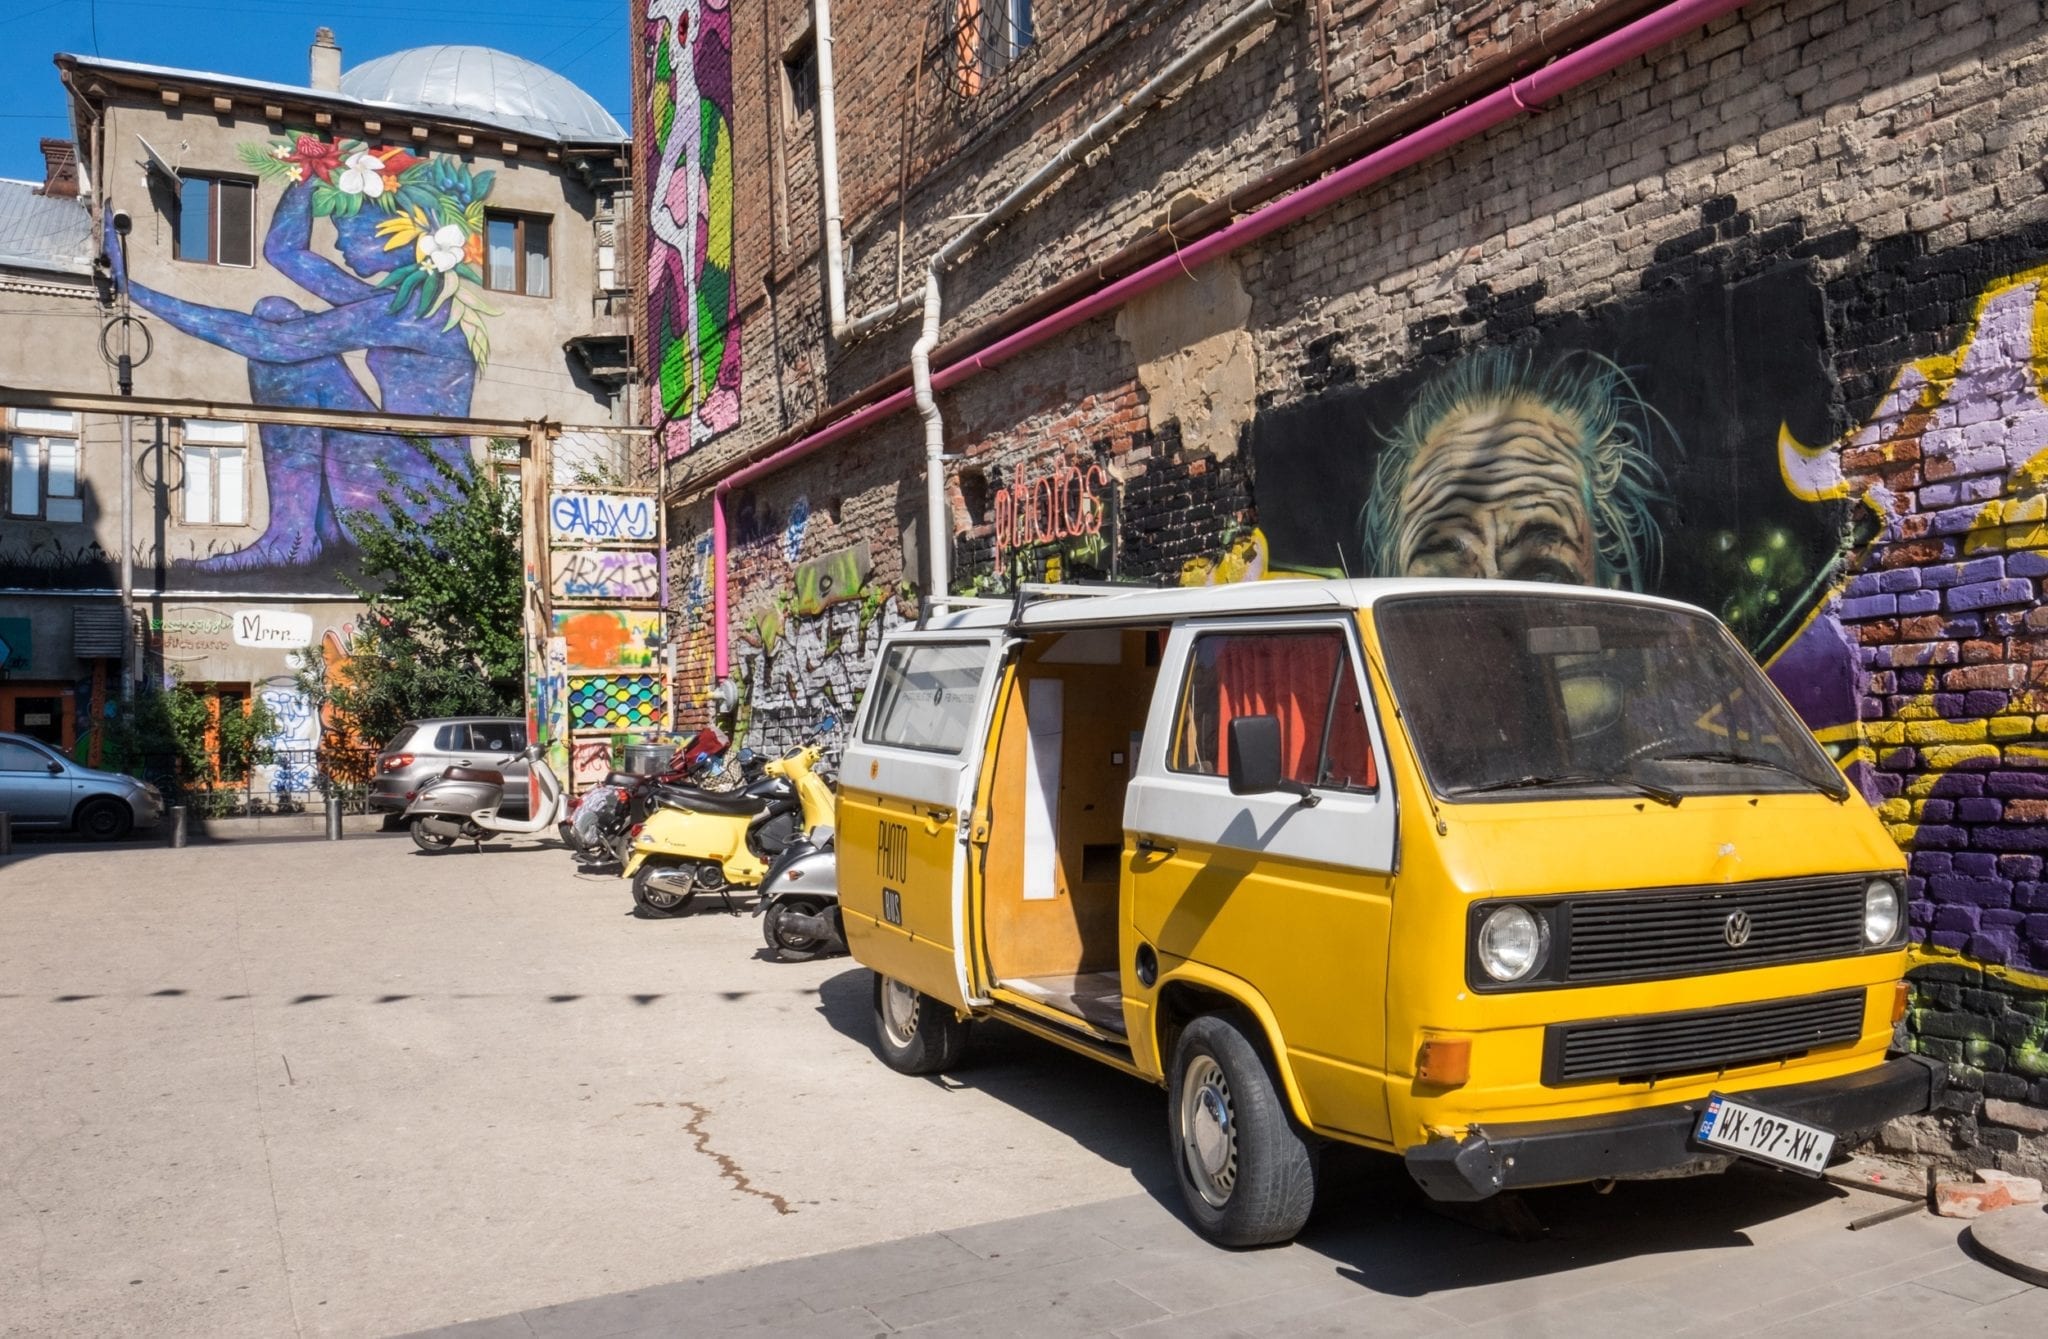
(1736,930)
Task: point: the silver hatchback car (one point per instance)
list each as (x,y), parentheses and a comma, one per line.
(41,788)
(422,750)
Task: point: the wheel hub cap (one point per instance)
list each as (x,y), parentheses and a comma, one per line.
(1209,1131)
(899,1011)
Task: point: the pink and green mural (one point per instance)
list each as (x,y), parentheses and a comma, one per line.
(693,318)
(406,293)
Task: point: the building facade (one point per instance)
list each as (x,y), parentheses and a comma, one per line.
(431,233)
(1738,304)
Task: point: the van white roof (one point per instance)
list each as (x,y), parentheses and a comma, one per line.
(1056,607)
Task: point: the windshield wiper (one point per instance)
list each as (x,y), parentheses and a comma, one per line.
(1734,759)
(1539,780)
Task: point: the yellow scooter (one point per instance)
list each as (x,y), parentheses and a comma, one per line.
(699,841)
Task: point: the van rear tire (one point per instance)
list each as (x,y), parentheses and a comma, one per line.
(1246,1170)
(914,1033)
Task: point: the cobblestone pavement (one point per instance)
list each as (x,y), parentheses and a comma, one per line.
(300,1088)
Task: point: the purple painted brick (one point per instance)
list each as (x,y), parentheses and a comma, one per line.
(1998,918)
(1916,888)
(1919,601)
(2017,783)
(1884,785)
(1953,939)
(1932,862)
(1871,709)
(1900,579)
(1950,706)
(2007,837)
(1985,594)
(1963,625)
(2020,866)
(1933,497)
(1939,835)
(1955,785)
(1919,913)
(2037,928)
(1938,811)
(2030,896)
(1954,918)
(1953,520)
(1999,947)
(1897,760)
(1866,584)
(2026,563)
(1984,702)
(1963,574)
(1978,810)
(1870,606)
(1955,890)
(1976,864)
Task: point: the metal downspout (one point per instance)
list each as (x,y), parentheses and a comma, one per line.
(937,513)
(1516,97)
(828,171)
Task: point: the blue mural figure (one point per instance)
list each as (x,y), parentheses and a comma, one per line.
(410,234)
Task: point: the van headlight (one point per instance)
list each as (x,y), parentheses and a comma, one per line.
(1880,912)
(1512,943)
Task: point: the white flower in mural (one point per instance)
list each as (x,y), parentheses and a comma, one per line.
(362,174)
(441,249)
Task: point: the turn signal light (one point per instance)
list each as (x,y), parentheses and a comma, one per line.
(397,762)
(1899,997)
(1444,1062)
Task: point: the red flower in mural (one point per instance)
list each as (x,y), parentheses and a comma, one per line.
(395,160)
(317,157)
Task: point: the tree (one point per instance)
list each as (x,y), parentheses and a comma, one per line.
(441,576)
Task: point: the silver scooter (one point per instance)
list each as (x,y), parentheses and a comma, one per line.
(799,902)
(462,804)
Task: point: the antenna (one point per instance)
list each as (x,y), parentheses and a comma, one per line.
(156,162)
(1342,566)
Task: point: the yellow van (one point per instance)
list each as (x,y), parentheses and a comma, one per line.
(1527,884)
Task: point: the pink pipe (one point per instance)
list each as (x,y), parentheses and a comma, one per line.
(1596,58)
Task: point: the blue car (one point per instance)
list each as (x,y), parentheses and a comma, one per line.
(42,789)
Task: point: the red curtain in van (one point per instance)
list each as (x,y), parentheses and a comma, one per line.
(1289,677)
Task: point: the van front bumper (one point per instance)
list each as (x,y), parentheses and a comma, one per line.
(1493,1158)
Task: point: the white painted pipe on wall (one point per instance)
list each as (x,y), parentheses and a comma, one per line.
(828,168)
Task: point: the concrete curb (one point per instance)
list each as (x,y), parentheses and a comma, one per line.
(2015,1240)
(263,826)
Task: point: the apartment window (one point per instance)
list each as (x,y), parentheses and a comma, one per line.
(216,473)
(216,222)
(987,36)
(800,79)
(516,254)
(42,467)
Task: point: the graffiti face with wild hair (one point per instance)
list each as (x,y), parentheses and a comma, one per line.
(1499,472)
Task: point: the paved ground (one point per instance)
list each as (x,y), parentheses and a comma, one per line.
(293,1087)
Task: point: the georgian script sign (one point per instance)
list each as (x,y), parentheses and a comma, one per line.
(601,518)
(629,575)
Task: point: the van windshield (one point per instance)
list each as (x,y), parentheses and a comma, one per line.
(1514,696)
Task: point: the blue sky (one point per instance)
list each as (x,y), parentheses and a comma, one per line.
(267,39)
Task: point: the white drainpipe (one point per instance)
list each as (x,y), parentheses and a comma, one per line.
(828,168)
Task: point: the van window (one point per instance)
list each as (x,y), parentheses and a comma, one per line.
(925,695)
(1304,679)
(1512,695)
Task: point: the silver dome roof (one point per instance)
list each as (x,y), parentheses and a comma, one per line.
(482,85)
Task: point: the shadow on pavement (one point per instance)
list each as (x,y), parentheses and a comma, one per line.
(1371,1219)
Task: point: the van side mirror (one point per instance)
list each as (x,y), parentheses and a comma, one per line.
(1255,760)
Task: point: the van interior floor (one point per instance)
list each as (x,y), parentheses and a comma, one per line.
(1096,998)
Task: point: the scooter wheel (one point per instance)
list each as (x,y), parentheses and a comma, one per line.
(656,900)
(789,945)
(431,842)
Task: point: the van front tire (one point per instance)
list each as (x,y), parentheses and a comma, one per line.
(914,1033)
(1246,1171)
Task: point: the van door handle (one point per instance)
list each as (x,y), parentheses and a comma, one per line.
(934,819)
(1164,850)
